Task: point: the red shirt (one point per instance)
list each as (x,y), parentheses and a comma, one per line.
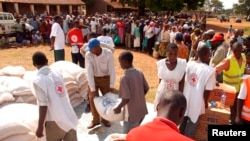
(160,129)
(75,37)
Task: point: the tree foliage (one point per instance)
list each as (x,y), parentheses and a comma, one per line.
(88,2)
(242,8)
(194,4)
(164,5)
(217,5)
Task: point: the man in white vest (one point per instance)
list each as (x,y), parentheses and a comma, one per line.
(56,114)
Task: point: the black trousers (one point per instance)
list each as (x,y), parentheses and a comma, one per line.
(78,58)
(151,43)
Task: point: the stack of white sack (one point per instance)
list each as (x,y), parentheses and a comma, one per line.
(13,71)
(5,95)
(13,88)
(18,122)
(75,80)
(18,88)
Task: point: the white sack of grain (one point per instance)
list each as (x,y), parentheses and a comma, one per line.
(83,91)
(11,128)
(15,85)
(81,75)
(6,97)
(76,102)
(30,75)
(82,82)
(25,99)
(105,107)
(71,87)
(22,92)
(13,71)
(75,96)
(29,136)
(23,118)
(68,67)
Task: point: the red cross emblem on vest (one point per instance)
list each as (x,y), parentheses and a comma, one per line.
(59,89)
(193,79)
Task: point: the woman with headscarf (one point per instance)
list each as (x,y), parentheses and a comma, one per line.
(165,39)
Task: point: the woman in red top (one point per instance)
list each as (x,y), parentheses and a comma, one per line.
(120,26)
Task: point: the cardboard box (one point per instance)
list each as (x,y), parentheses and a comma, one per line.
(212,116)
(230,92)
(216,115)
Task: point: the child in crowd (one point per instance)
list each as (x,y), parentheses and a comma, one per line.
(133,87)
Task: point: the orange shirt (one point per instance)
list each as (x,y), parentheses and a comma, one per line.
(160,129)
(182,51)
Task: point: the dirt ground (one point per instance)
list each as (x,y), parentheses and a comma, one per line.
(222,27)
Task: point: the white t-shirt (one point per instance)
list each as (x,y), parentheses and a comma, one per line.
(50,91)
(172,37)
(107,40)
(199,77)
(58,33)
(93,25)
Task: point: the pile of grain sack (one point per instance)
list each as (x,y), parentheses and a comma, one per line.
(18,122)
(15,83)
(18,109)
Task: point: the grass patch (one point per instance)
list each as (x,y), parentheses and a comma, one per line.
(247,31)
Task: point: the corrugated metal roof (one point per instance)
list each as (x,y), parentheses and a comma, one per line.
(118,5)
(114,4)
(62,2)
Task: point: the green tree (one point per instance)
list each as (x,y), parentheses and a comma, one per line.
(163,5)
(89,4)
(194,4)
(217,5)
(242,8)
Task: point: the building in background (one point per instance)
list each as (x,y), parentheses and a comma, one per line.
(103,6)
(51,7)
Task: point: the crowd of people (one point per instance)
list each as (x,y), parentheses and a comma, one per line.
(193,60)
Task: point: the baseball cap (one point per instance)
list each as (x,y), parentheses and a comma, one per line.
(217,37)
(179,36)
(92,44)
